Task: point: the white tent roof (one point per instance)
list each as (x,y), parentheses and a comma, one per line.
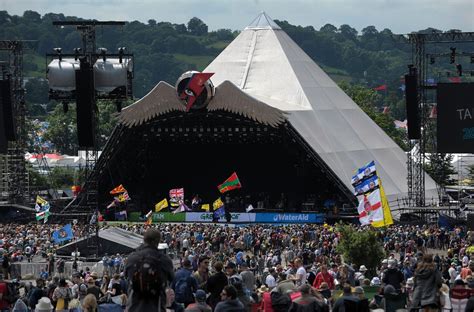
(267,64)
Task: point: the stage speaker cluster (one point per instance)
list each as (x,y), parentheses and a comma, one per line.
(413,113)
(85,110)
(7,120)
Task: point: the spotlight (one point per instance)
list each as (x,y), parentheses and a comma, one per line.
(432,60)
(77,51)
(452,57)
(58,51)
(103,51)
(459,69)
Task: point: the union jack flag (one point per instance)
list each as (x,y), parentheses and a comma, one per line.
(177,193)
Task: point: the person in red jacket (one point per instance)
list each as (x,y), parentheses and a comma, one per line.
(323,277)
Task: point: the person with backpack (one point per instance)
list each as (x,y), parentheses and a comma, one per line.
(184,284)
(36,293)
(62,295)
(148,272)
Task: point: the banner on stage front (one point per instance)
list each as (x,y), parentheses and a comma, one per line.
(207,217)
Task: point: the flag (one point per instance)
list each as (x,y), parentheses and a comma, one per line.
(434,112)
(217,204)
(249,208)
(161,205)
(149,217)
(40,200)
(43,215)
(364,172)
(174,202)
(219,212)
(381,88)
(38,207)
(387,214)
(370,208)
(367,185)
(121,216)
(182,208)
(205,207)
(230,184)
(123,197)
(119,189)
(177,193)
(63,234)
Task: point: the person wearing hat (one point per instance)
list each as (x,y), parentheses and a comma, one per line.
(359,292)
(248,278)
(216,283)
(153,298)
(360,276)
(200,304)
(44,305)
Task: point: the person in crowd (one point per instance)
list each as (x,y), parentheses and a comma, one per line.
(271,278)
(79,289)
(200,304)
(44,305)
(359,292)
(308,301)
(171,304)
(216,283)
(148,263)
(4,304)
(323,276)
(300,277)
(248,278)
(93,289)
(184,284)
(62,295)
(427,283)
(36,293)
(89,304)
(346,295)
(229,301)
(393,276)
(202,273)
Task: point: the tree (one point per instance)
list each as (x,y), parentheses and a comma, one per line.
(197,27)
(61,177)
(348,32)
(439,167)
(62,130)
(329,28)
(360,246)
(152,22)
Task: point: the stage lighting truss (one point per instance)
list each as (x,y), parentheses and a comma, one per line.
(113,74)
(455,59)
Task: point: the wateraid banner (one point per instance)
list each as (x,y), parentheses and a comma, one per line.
(289,217)
(207,217)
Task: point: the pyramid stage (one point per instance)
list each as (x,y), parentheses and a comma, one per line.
(290,133)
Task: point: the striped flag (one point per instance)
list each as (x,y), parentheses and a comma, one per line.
(43,215)
(119,189)
(370,208)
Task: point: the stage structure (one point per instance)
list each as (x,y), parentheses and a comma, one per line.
(425,53)
(276,119)
(84,76)
(13,174)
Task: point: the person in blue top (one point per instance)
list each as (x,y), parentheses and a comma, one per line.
(184,284)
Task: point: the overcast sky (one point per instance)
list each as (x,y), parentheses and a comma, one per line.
(401,16)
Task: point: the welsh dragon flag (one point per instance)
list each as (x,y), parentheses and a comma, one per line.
(230,184)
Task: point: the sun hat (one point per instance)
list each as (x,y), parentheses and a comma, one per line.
(44,304)
(358,290)
(362,268)
(200,295)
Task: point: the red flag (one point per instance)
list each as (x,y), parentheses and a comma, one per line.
(231,183)
(119,189)
(194,88)
(381,88)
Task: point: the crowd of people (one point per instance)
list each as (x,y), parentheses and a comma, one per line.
(255,267)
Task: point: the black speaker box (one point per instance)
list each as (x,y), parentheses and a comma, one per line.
(413,113)
(85,103)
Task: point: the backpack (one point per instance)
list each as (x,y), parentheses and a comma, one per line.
(280,302)
(12,294)
(181,289)
(147,280)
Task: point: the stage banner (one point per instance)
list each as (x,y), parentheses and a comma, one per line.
(168,217)
(290,217)
(207,217)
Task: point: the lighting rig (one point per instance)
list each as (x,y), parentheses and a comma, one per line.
(84,76)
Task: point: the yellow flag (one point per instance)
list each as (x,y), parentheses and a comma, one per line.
(387,214)
(40,200)
(217,204)
(205,207)
(161,205)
